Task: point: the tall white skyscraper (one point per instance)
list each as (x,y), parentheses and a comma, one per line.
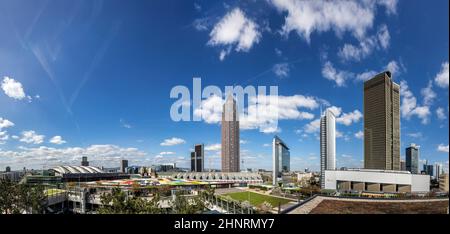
(327,144)
(281,159)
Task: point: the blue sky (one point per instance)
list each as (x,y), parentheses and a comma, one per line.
(94,77)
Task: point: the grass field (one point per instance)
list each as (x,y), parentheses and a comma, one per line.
(52,192)
(257,199)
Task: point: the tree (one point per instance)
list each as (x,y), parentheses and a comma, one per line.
(31,198)
(7,197)
(117,202)
(19,198)
(181,205)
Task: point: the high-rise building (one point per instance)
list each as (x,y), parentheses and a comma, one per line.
(230,136)
(428,169)
(412,159)
(84,161)
(8,169)
(402,165)
(437,171)
(198,158)
(123,165)
(382,123)
(327,144)
(281,159)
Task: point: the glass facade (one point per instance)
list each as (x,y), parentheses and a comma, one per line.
(412,159)
(281,159)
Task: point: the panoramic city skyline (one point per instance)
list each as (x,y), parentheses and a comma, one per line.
(95,80)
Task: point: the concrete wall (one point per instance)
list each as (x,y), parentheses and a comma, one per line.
(373,187)
(359,186)
(416,183)
(389,188)
(404,188)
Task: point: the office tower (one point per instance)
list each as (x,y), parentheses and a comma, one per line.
(193,161)
(412,159)
(84,161)
(437,171)
(327,144)
(198,158)
(8,169)
(428,169)
(403,165)
(281,159)
(123,165)
(230,136)
(382,123)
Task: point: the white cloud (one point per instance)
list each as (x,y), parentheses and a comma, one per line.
(13,88)
(383,36)
(339,134)
(306,17)
(197,7)
(428,94)
(213,147)
(210,110)
(263,111)
(125,124)
(346,156)
(365,76)
(172,141)
(391,6)
(394,68)
(409,106)
(342,118)
(330,73)
(442,148)
(441,78)
(281,70)
(234,30)
(3,137)
(415,135)
(349,118)
(336,110)
(267,145)
(243,141)
(342,75)
(32,137)
(166,153)
(359,135)
(366,46)
(98,155)
(57,140)
(313,126)
(4,123)
(440,112)
(278,52)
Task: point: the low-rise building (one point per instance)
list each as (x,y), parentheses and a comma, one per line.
(304,178)
(376,181)
(443,182)
(235,177)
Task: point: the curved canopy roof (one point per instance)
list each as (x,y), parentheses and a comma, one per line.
(76,169)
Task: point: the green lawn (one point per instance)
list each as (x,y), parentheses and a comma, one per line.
(52,192)
(257,199)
